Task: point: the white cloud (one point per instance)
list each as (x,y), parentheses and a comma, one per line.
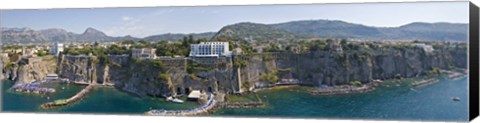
(130,26)
(126,18)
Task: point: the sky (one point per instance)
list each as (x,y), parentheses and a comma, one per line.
(142,22)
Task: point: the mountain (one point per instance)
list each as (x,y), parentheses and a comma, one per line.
(327,29)
(92,34)
(27,35)
(251,32)
(178,36)
(412,31)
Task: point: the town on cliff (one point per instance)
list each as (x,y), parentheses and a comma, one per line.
(214,72)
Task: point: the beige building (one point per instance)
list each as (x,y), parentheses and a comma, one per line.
(144,53)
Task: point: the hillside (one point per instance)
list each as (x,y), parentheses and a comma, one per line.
(178,36)
(27,35)
(251,32)
(254,32)
(412,31)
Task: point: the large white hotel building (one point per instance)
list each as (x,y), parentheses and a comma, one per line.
(209,49)
(56,48)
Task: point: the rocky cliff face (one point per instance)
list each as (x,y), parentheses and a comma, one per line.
(35,69)
(144,77)
(78,68)
(332,68)
(4,60)
(171,77)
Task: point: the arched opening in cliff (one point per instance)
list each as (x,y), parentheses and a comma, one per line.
(210,90)
(179,91)
(187,90)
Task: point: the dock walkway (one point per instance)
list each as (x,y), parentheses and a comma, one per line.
(80,95)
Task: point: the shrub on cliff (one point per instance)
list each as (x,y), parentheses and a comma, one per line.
(270,77)
(9,66)
(434,71)
(163,76)
(356,83)
(241,63)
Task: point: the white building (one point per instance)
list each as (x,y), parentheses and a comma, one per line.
(426,48)
(144,53)
(51,77)
(56,48)
(209,49)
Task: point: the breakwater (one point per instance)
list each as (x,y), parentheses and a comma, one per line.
(189,112)
(80,95)
(424,82)
(341,90)
(346,89)
(253,104)
(455,75)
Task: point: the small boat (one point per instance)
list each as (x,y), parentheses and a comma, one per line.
(456,98)
(177,100)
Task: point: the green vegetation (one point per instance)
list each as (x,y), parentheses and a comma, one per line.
(343,60)
(156,63)
(267,57)
(242,98)
(240,63)
(284,70)
(273,47)
(9,66)
(398,76)
(193,67)
(251,31)
(163,76)
(270,77)
(221,64)
(60,102)
(245,85)
(42,53)
(356,83)
(434,71)
(316,45)
(112,50)
(165,48)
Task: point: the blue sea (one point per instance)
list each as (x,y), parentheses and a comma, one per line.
(390,101)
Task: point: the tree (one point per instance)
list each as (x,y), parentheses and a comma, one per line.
(163,76)
(356,83)
(128,42)
(190,39)
(143,42)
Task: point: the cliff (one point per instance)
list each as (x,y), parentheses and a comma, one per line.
(177,76)
(343,67)
(35,69)
(77,68)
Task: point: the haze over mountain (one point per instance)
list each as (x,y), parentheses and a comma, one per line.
(341,29)
(27,35)
(178,36)
(255,31)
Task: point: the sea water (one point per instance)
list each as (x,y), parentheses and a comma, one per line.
(387,102)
